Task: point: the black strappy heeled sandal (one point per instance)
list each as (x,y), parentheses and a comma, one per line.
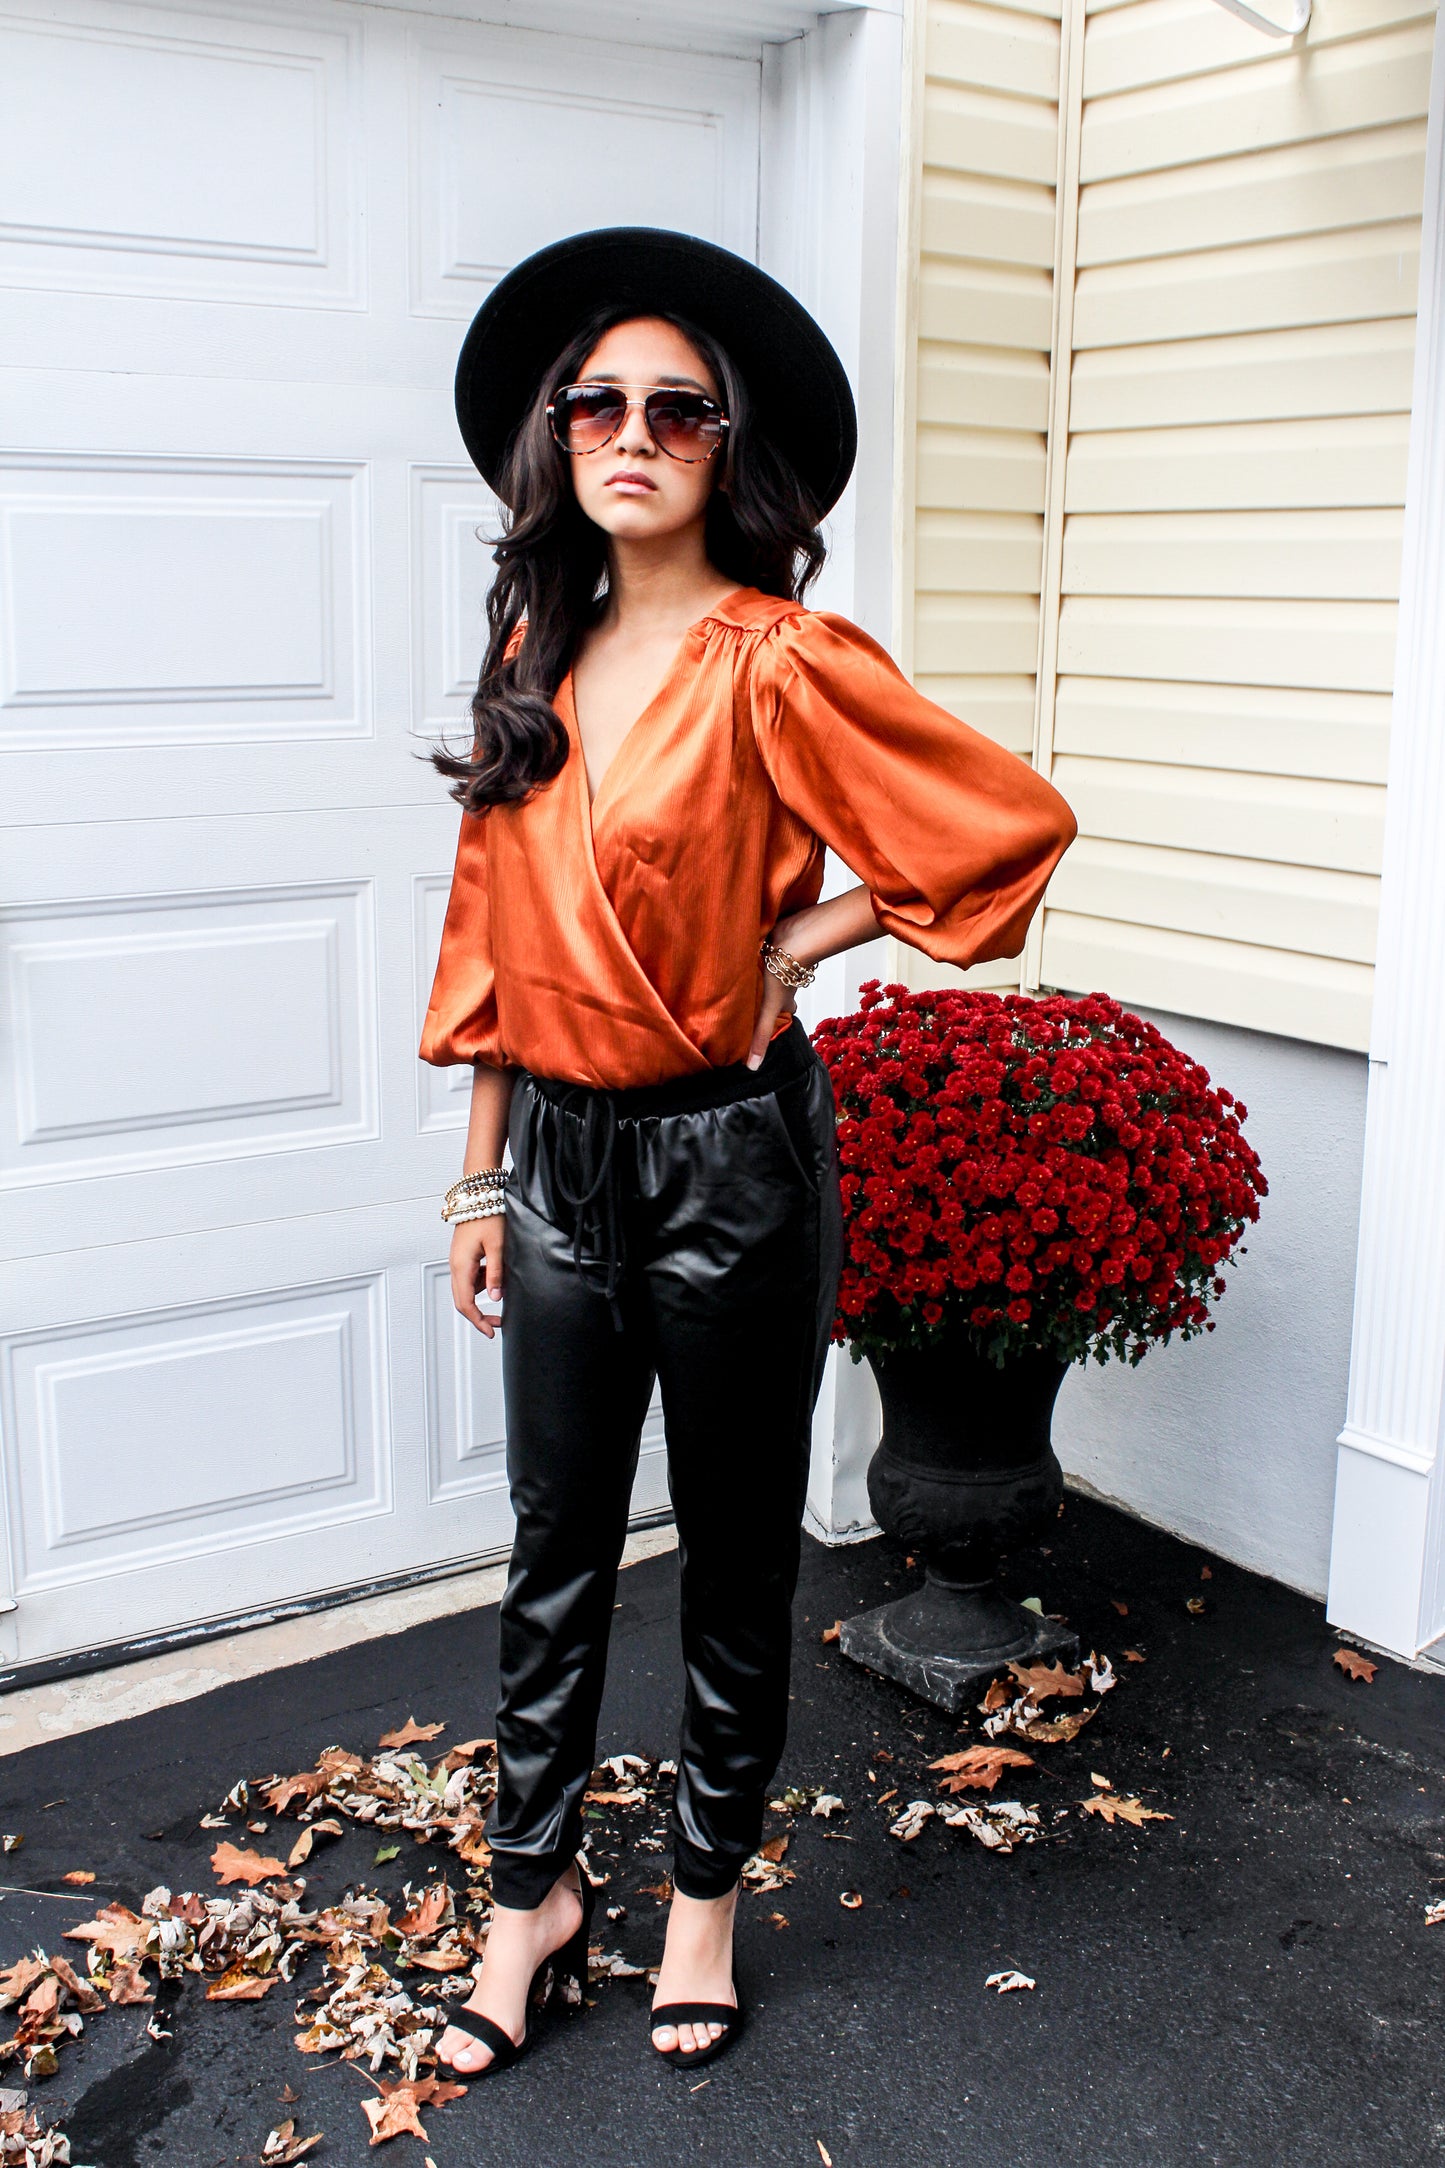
(731,2016)
(562,1976)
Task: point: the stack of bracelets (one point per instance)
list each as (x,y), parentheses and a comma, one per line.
(477,1196)
(786,968)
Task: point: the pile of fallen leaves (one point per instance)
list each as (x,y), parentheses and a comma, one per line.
(1016,1707)
(25,2142)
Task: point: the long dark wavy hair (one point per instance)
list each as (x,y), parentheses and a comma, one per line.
(761,531)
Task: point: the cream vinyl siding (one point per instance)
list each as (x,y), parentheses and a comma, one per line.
(1239,224)
(989,127)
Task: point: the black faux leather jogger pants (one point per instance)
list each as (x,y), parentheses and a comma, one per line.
(689,1232)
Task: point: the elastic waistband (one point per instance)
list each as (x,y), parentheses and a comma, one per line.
(788,1057)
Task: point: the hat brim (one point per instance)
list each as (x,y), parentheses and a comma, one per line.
(797,384)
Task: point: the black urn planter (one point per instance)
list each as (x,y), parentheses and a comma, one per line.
(965,1472)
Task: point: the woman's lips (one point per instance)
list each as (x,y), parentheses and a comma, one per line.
(633,485)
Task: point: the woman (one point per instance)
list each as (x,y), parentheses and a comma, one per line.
(665,739)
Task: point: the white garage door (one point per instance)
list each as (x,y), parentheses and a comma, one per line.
(239,593)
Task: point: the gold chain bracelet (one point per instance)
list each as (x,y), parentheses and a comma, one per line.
(785,968)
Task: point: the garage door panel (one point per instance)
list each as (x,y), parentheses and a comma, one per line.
(161,600)
(592,139)
(208,155)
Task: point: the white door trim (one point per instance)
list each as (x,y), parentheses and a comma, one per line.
(1387,1567)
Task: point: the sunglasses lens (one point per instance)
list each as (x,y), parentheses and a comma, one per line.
(684,423)
(586,415)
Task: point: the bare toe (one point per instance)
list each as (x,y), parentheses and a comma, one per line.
(665,2038)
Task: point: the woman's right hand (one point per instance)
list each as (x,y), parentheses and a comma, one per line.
(477,1265)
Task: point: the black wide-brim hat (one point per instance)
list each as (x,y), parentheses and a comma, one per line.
(797,384)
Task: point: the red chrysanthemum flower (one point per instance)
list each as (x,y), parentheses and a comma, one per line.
(1005,1161)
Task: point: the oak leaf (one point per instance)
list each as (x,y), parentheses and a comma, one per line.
(395,2113)
(1040,1681)
(230,1863)
(410,1734)
(19,1980)
(978,1768)
(1114,1809)
(459,1755)
(1354,1665)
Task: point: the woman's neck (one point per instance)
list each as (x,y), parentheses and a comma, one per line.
(660,584)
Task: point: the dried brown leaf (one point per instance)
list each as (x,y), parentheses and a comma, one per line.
(411,1734)
(1354,1665)
(978,1768)
(1041,1681)
(115,1928)
(229,1863)
(127,1984)
(774,1849)
(237,1985)
(831,1633)
(1051,1730)
(1114,1809)
(1121,1608)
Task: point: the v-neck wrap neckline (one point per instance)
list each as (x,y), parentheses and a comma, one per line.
(613,940)
(566,700)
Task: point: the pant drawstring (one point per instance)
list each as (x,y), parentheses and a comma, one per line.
(599,1191)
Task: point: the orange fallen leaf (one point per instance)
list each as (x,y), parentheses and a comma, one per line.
(426,1915)
(662,1890)
(996,1697)
(304,1787)
(1354,1665)
(238,1985)
(1132,1656)
(1121,1608)
(978,1768)
(19,1980)
(410,1733)
(442,1960)
(1041,1681)
(777,1919)
(467,1751)
(115,1928)
(831,1633)
(230,1864)
(470,1845)
(78,1875)
(774,1849)
(395,2113)
(283,2146)
(614,1799)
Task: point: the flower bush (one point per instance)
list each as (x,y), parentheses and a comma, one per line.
(1050,1173)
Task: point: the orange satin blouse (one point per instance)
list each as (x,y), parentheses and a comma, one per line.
(618,944)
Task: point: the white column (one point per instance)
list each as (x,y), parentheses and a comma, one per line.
(829,201)
(1387,1567)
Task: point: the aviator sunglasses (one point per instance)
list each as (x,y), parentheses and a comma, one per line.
(687,425)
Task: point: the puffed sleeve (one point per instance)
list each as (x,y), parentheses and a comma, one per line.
(954,837)
(461,1017)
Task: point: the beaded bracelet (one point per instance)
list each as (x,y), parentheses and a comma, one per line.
(485,1188)
(785,968)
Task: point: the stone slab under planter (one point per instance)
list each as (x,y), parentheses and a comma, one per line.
(905,1641)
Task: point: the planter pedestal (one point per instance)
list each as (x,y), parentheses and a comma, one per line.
(965,1472)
